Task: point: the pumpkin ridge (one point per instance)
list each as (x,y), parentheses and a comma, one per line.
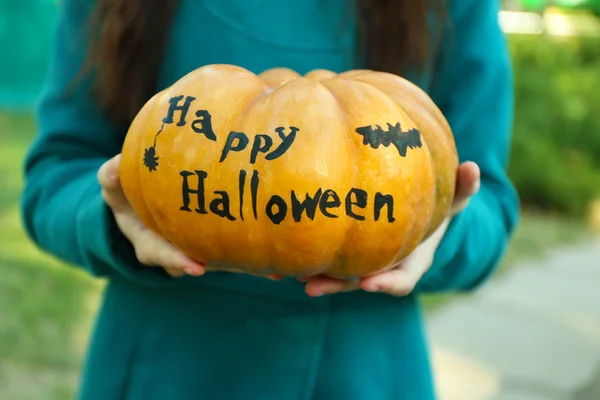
(402,252)
(336,87)
(219,248)
(158,224)
(261,197)
(131,180)
(419,97)
(416,102)
(275,77)
(153,224)
(340,260)
(303,92)
(320,75)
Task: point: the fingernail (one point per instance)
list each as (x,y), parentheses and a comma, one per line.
(112,170)
(372,288)
(194,271)
(476,187)
(314,293)
(193,267)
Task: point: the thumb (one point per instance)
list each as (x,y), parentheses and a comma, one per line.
(468,183)
(108,174)
(108,177)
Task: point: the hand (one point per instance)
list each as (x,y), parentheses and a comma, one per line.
(150,249)
(401,280)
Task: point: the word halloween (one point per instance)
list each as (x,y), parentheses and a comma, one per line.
(277,208)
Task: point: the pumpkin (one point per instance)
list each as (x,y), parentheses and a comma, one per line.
(336,174)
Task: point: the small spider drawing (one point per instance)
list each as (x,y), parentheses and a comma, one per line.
(150,158)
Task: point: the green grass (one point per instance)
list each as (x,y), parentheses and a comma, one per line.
(46,308)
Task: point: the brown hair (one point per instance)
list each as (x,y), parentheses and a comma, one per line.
(129,36)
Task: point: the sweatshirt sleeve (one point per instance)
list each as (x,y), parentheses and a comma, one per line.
(61,204)
(474,90)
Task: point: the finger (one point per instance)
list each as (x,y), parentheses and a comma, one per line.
(398,282)
(112,192)
(467,185)
(321,285)
(273,277)
(130,225)
(175,273)
(108,173)
(153,250)
(468,181)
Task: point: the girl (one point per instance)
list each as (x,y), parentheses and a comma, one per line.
(168,329)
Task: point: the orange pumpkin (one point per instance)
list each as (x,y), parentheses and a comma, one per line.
(342,175)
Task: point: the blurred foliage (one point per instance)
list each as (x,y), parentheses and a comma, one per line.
(555,160)
(539,5)
(26,28)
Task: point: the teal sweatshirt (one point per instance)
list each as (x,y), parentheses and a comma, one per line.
(230,336)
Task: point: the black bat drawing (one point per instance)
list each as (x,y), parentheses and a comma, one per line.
(394,135)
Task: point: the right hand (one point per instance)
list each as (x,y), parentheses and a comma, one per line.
(150,249)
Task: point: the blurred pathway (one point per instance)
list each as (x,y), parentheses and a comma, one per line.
(532,334)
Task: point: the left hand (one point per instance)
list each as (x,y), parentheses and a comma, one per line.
(401,280)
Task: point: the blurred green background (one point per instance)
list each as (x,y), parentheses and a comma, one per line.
(46,308)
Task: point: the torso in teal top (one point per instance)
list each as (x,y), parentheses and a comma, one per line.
(234,337)
(257,35)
